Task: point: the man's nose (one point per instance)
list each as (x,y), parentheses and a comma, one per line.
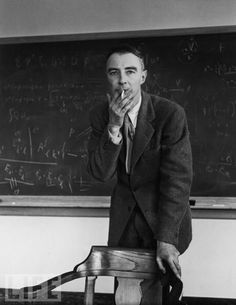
(123,78)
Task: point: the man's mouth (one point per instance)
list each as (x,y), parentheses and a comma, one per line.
(125,91)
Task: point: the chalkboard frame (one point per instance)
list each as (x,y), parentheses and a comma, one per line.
(99,205)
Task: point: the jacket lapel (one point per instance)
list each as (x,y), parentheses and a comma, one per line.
(144,129)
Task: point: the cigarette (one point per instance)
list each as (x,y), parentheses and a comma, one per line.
(122,94)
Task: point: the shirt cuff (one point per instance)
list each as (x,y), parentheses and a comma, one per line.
(115,139)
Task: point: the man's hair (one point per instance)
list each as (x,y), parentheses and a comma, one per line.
(126,48)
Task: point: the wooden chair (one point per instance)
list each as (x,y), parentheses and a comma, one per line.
(129,266)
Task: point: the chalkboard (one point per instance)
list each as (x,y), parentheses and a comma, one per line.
(48,88)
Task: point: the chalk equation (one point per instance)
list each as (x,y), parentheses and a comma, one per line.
(48,89)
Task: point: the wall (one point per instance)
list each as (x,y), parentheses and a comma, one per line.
(50,17)
(209,266)
(34,249)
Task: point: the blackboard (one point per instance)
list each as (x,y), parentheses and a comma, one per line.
(48,88)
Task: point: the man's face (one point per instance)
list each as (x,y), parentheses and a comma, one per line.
(125,72)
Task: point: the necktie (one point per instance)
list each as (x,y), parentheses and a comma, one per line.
(129,136)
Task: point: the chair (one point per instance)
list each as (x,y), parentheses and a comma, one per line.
(129,266)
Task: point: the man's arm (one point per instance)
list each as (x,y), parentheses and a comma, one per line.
(175,183)
(106,140)
(103,151)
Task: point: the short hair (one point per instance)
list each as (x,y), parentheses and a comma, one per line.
(126,48)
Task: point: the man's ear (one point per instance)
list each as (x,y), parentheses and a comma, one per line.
(144,76)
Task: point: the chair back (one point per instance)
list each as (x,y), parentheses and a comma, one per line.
(129,266)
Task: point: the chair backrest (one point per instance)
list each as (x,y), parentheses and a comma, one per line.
(129,266)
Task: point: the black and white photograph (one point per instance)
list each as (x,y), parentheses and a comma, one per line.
(118,152)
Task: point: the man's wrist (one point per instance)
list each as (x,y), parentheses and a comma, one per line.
(114,130)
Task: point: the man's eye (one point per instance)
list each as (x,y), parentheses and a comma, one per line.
(130,72)
(113,73)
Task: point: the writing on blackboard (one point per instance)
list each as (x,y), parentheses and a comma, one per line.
(48,89)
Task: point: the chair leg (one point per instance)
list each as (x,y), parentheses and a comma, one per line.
(89,290)
(165,293)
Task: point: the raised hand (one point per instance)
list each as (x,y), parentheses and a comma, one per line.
(119,105)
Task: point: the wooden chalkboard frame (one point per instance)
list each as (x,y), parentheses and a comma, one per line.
(120,34)
(99,205)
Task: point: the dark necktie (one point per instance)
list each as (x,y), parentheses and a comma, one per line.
(129,136)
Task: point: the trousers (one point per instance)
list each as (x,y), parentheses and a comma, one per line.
(139,235)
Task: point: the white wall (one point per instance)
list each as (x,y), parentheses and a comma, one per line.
(209,265)
(34,249)
(50,17)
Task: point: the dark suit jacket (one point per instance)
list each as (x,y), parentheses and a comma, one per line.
(161,170)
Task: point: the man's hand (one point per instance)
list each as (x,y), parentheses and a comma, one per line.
(169,254)
(119,105)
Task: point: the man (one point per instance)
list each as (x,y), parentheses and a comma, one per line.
(144,140)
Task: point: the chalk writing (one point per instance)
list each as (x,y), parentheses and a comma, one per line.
(48,89)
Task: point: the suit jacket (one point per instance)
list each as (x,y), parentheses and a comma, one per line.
(161,170)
